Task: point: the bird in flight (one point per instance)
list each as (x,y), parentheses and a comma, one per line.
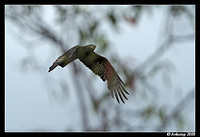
(98,64)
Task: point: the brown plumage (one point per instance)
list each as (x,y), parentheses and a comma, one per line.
(98,64)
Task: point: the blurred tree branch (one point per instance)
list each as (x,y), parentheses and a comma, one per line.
(176,111)
(170,38)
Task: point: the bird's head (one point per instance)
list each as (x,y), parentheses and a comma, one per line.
(91,47)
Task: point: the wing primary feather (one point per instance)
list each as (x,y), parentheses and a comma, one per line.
(116,96)
(122,91)
(55,64)
(112,93)
(122,86)
(118,90)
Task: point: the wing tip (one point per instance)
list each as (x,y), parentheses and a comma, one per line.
(49,70)
(52,67)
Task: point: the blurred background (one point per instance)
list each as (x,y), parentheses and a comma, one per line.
(150,47)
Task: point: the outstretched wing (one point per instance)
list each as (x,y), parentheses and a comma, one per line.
(115,84)
(66,58)
(102,67)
